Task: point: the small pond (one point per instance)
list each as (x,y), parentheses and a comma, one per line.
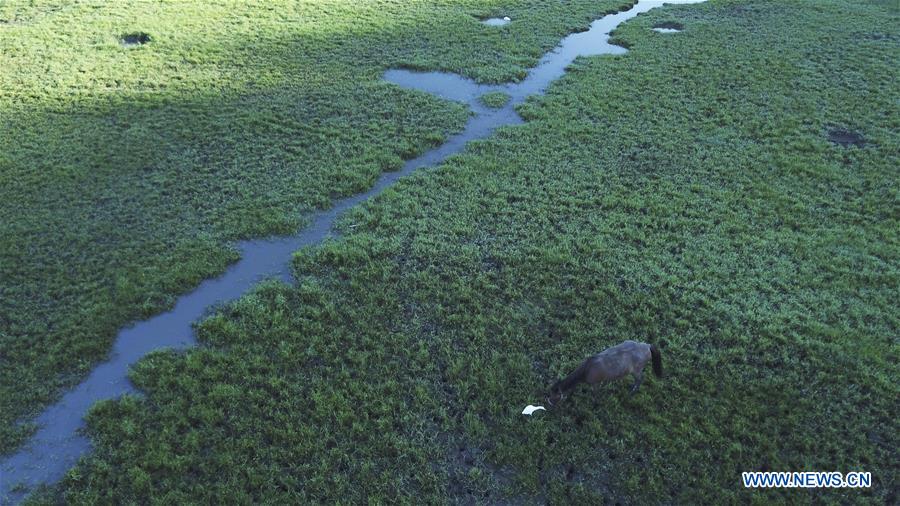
(496,21)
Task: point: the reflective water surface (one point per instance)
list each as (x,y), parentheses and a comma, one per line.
(496,21)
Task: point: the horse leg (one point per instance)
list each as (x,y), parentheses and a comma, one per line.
(638,377)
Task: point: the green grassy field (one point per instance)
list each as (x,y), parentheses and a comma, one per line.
(124,171)
(683,194)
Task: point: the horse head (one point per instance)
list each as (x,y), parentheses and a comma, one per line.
(556,395)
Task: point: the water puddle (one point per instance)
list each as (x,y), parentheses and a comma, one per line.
(668,27)
(442,84)
(58,443)
(496,21)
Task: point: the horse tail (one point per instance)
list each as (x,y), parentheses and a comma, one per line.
(657,360)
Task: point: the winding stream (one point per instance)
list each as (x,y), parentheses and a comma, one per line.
(58,443)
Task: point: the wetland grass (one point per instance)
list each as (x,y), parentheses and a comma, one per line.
(684,194)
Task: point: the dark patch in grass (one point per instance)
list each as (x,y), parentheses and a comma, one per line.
(136,39)
(616,41)
(880,37)
(669,25)
(846,138)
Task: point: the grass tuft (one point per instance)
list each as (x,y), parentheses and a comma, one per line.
(495,99)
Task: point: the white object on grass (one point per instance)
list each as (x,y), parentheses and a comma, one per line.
(506,18)
(529,409)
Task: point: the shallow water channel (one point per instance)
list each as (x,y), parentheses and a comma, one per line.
(58,443)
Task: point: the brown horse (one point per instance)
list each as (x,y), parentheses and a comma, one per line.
(630,357)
